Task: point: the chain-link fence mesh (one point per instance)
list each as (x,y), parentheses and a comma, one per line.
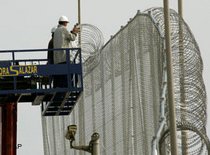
(122,87)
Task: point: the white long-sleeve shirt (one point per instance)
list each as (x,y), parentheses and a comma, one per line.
(62,39)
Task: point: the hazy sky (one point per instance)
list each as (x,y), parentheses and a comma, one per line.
(26,24)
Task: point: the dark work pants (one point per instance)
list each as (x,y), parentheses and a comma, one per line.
(61,81)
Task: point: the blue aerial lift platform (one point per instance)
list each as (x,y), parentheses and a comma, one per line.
(25,78)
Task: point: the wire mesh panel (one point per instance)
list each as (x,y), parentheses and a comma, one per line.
(122,87)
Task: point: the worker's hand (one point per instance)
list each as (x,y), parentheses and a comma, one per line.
(76,29)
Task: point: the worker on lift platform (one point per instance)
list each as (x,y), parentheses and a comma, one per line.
(31,80)
(62,39)
(50,46)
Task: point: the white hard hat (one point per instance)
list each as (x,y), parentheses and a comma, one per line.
(53,29)
(63,19)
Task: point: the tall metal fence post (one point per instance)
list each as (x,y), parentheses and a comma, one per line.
(172,114)
(182,79)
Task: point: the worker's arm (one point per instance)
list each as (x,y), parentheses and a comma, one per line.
(74,32)
(76,29)
(70,36)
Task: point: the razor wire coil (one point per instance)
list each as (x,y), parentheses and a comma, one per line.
(190,95)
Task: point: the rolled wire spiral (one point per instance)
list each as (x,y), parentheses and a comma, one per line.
(189,89)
